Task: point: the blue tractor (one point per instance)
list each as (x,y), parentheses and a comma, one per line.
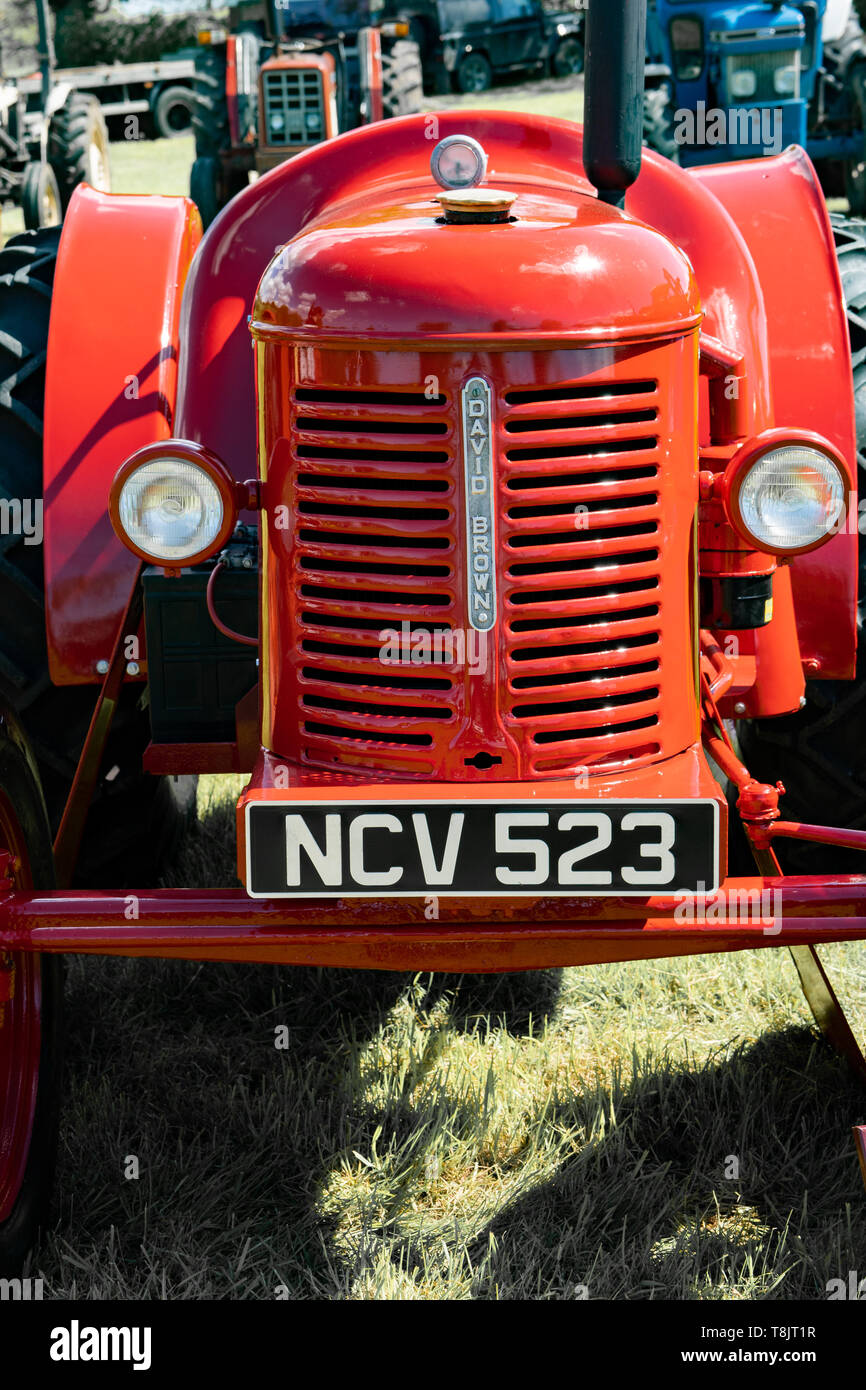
(733,81)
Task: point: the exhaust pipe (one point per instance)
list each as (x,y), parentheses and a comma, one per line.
(613,95)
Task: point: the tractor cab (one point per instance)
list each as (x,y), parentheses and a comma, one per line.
(739,81)
(730,64)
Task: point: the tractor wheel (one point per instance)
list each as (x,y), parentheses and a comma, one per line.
(569,58)
(205,187)
(658,123)
(135,819)
(474,73)
(819,753)
(211,186)
(31,1009)
(172,114)
(210,114)
(78,145)
(402,80)
(40,197)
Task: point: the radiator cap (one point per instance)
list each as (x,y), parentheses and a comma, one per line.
(476,204)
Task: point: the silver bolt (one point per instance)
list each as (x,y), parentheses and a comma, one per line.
(803,702)
(739,708)
(102,668)
(132,668)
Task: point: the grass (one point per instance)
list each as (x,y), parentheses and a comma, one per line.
(659,1130)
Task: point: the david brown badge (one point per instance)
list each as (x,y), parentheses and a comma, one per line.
(478,476)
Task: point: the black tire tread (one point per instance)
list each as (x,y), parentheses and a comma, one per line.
(402,79)
(820,753)
(69,137)
(134,820)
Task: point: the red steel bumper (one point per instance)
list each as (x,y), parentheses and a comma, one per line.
(473,935)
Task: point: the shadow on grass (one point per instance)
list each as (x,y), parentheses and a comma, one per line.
(731,1179)
(332,1167)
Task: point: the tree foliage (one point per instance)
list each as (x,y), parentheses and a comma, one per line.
(84,35)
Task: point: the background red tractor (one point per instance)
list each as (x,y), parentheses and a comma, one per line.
(526,495)
(288,77)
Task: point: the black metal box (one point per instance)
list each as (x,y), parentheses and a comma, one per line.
(196,674)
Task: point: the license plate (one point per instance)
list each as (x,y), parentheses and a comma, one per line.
(531,848)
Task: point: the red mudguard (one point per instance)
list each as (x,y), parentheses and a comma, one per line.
(111,382)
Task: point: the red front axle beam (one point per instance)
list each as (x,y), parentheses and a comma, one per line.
(407,934)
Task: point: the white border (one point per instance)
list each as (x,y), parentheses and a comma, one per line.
(581,803)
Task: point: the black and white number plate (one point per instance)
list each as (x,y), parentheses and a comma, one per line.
(527,848)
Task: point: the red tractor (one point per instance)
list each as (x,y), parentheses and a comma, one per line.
(290,76)
(474,521)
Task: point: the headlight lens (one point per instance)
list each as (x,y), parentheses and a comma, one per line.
(785,81)
(744,82)
(791,499)
(171,509)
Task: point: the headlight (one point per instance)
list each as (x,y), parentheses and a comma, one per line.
(174,504)
(785,81)
(788,498)
(744,82)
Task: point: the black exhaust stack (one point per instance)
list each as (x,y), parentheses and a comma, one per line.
(613,96)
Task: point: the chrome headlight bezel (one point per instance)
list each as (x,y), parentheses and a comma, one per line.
(184,465)
(753,467)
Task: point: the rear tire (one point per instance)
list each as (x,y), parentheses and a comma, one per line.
(402,80)
(819,753)
(135,819)
(172,114)
(78,146)
(31,1022)
(40,197)
(204,187)
(210,116)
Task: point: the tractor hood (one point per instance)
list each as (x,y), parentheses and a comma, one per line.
(566,266)
(730,22)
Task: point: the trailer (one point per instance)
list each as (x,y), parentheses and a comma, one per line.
(161,91)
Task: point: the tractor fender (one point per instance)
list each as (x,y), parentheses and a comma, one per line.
(59,94)
(110,387)
(781,214)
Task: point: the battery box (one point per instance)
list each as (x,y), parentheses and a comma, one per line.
(196,674)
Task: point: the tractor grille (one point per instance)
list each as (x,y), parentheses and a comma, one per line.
(764,66)
(382,672)
(375,550)
(582,570)
(294,109)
